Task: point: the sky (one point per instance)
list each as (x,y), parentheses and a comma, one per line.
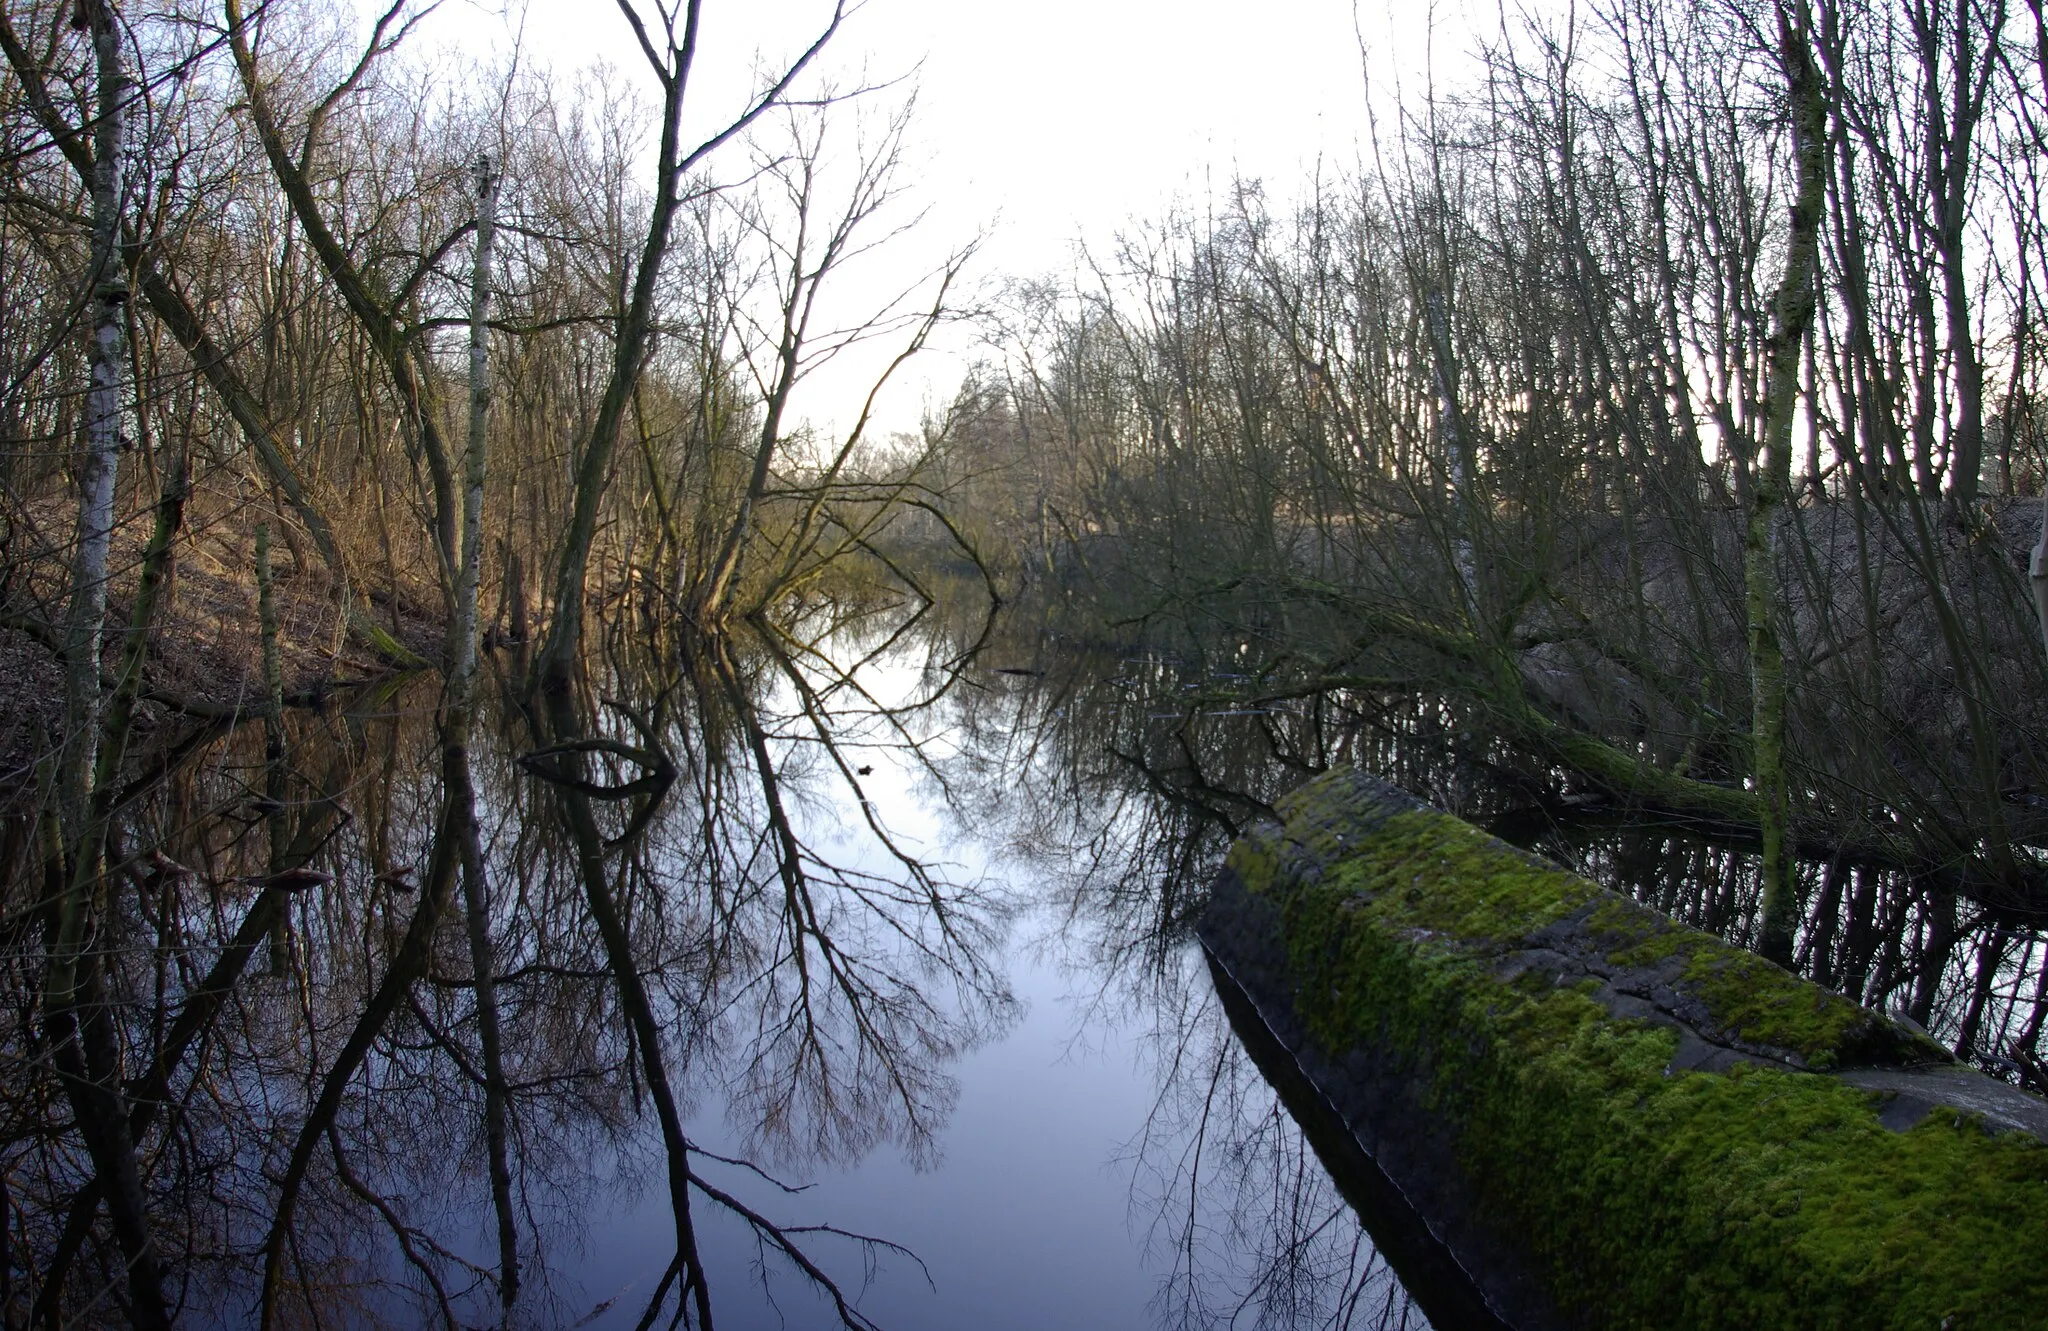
(1037,127)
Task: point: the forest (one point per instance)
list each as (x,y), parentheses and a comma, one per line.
(1648,428)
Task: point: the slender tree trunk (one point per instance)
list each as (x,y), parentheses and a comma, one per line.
(566,728)
(715,589)
(398,349)
(107,363)
(2037,566)
(176,315)
(274,784)
(82,1042)
(636,322)
(1989,953)
(1771,485)
(81,1036)
(1457,449)
(1951,131)
(462,652)
(2037,571)
(407,965)
(462,648)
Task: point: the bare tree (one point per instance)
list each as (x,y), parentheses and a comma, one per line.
(670,50)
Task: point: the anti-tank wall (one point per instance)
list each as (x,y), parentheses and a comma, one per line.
(1608,1119)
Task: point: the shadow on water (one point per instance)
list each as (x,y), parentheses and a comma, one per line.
(1441,1287)
(832,972)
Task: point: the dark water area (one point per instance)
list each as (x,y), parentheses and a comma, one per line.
(911,904)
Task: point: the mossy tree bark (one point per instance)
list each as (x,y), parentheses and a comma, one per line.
(1771,487)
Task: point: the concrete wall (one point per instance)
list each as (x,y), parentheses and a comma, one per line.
(1604,1118)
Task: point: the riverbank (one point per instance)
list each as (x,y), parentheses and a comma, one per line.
(205,656)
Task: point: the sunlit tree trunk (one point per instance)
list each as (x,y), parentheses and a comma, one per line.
(671,64)
(177,315)
(399,348)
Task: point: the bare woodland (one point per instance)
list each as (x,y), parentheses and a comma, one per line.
(1654,420)
(1668,400)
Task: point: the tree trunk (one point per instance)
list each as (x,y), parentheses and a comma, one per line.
(107,363)
(1771,485)
(1457,450)
(176,315)
(462,652)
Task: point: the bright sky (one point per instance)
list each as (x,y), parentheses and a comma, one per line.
(1039,125)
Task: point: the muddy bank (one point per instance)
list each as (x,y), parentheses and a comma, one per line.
(1606,1118)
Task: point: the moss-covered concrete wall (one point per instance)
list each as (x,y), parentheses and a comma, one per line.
(1612,1120)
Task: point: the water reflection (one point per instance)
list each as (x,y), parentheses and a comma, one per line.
(402,1012)
(655,1000)
(1223,727)
(1250,1226)
(1125,820)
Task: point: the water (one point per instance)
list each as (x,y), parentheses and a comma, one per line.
(917,942)
(911,908)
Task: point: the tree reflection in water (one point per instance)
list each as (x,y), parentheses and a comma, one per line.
(657,909)
(393,1018)
(1125,816)
(1250,1226)
(1222,728)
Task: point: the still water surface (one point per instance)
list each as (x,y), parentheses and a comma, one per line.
(914,920)
(911,903)
(1113,1159)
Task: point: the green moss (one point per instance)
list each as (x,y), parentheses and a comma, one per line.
(1755,1197)
(1634,936)
(1254,862)
(1758,1003)
(1431,871)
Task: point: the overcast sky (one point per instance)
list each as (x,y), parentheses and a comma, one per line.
(1042,124)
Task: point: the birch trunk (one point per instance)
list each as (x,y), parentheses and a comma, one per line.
(177,316)
(107,363)
(476,447)
(83,1043)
